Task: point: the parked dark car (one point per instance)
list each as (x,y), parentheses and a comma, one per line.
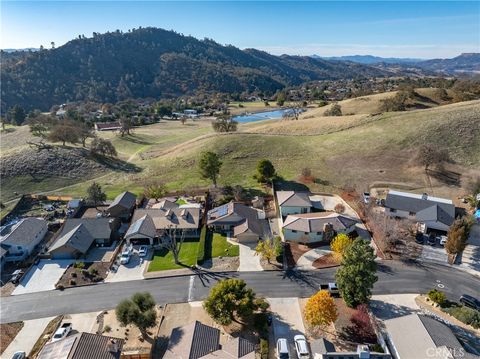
(419,238)
(432,239)
(470,301)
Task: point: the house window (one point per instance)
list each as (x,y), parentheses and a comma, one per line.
(294,231)
(19,248)
(319,233)
(304,210)
(411,213)
(393,210)
(306,233)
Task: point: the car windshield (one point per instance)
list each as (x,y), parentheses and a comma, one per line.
(284,356)
(58,335)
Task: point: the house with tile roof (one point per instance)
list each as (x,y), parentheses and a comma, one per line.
(20,239)
(199,341)
(431,213)
(316,226)
(247,224)
(83,346)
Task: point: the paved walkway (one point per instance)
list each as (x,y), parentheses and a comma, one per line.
(248,260)
(27,337)
(305,262)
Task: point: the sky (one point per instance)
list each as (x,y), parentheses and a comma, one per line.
(420,29)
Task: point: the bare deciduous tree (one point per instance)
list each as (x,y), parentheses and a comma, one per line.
(173,241)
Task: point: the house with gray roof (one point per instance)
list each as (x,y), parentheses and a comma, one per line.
(247,224)
(429,212)
(122,206)
(179,219)
(323,349)
(83,346)
(142,231)
(20,239)
(102,229)
(73,244)
(420,336)
(292,202)
(316,226)
(197,340)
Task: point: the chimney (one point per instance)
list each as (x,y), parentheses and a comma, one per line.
(112,346)
(425,196)
(184,213)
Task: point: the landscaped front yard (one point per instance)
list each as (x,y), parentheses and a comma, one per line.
(163,258)
(222,248)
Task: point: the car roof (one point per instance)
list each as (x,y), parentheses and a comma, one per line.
(282,343)
(302,343)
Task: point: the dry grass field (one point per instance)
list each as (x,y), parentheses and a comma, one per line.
(355,151)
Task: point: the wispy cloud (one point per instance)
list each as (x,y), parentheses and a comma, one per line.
(385,50)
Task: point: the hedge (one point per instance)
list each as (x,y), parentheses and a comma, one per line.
(201,245)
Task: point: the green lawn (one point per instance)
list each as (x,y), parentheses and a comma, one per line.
(220,247)
(180,201)
(163,259)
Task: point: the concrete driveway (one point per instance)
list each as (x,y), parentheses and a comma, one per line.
(43,276)
(287,320)
(248,260)
(27,337)
(305,262)
(133,270)
(83,322)
(434,254)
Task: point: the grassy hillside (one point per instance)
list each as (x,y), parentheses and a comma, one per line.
(372,103)
(370,149)
(356,150)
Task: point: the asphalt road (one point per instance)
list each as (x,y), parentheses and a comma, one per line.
(393,277)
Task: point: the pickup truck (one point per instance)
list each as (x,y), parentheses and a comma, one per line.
(62,332)
(331,287)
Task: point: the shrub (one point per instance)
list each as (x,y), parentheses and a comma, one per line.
(73,282)
(107,329)
(60,287)
(79,265)
(437,296)
(93,272)
(465,315)
(73,274)
(335,110)
(201,245)
(339,208)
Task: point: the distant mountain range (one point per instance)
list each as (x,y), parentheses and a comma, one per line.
(370,59)
(466,62)
(155,63)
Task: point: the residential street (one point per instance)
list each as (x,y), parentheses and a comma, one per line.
(394,277)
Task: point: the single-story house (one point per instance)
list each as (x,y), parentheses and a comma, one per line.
(426,337)
(248,224)
(83,346)
(186,220)
(108,126)
(102,229)
(291,202)
(73,244)
(316,226)
(122,206)
(197,340)
(141,231)
(429,212)
(21,238)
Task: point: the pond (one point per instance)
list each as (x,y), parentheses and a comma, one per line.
(260,116)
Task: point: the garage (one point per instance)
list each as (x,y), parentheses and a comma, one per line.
(140,241)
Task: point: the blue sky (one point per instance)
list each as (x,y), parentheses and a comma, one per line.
(424,29)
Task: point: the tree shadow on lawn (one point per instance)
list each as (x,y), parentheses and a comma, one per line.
(284,185)
(136,139)
(117,164)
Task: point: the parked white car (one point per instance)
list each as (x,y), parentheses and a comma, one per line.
(125,257)
(282,351)
(62,332)
(443,240)
(142,251)
(366,197)
(301,346)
